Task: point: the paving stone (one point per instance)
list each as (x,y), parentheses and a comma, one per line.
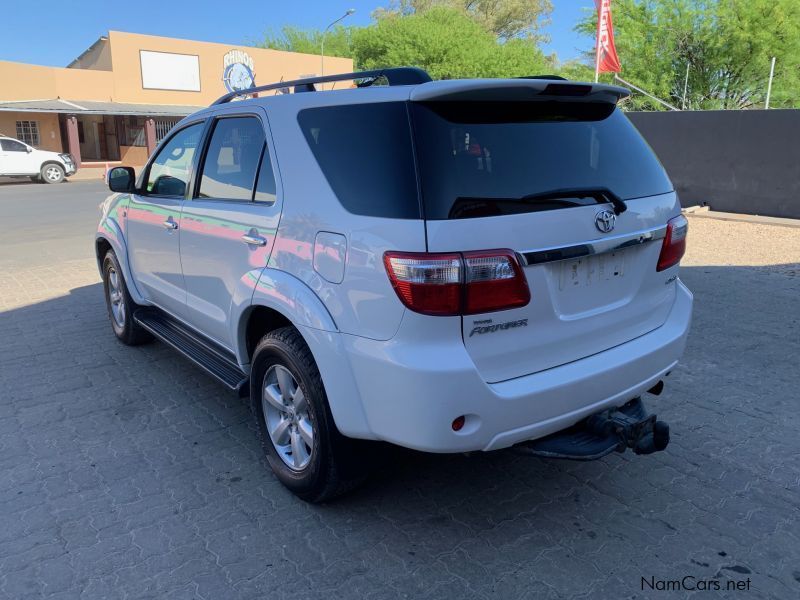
(128,473)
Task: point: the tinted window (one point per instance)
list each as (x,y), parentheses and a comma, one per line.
(265,186)
(481,159)
(364,151)
(13,146)
(170,170)
(229,169)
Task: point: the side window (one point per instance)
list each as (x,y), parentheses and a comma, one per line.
(364,151)
(265,186)
(231,162)
(13,146)
(170,171)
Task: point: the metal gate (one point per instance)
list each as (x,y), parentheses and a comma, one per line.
(163,127)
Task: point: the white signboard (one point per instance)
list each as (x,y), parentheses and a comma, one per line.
(166,71)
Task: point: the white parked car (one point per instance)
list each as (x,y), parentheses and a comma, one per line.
(18,159)
(449,266)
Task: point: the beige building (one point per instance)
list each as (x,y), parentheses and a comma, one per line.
(120,97)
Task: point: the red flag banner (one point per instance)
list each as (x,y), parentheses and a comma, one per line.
(607,59)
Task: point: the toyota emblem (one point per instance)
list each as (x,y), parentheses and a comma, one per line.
(605,220)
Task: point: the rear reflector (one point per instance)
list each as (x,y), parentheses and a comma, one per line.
(457,283)
(674,245)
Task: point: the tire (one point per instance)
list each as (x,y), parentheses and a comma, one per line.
(331,464)
(52,173)
(120,305)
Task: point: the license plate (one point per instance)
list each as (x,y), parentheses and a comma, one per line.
(589,271)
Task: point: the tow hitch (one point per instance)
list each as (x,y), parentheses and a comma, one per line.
(616,429)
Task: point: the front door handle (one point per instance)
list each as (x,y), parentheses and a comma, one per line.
(170,224)
(254,240)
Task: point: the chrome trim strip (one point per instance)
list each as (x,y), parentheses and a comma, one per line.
(598,246)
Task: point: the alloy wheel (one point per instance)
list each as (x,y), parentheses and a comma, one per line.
(286,413)
(53,173)
(116,297)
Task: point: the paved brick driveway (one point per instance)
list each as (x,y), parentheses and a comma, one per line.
(127,473)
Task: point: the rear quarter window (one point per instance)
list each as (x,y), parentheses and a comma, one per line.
(364,151)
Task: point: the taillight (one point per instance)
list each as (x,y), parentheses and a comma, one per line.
(674,245)
(494,281)
(426,283)
(457,283)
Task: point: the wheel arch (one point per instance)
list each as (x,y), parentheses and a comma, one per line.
(109,237)
(53,161)
(273,298)
(280,299)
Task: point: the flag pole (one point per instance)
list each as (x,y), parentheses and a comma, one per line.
(597,49)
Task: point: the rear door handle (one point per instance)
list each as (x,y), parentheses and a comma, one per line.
(254,240)
(170,224)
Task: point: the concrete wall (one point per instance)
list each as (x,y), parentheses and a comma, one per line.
(22,81)
(742,161)
(133,156)
(19,81)
(97,57)
(49,132)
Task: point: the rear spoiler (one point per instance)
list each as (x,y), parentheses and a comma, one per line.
(516,90)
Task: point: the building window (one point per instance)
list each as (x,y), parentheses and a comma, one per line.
(163,127)
(134,131)
(28,132)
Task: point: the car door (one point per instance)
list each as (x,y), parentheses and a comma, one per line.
(16,158)
(228,227)
(153,221)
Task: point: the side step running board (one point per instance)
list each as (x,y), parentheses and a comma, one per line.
(215,360)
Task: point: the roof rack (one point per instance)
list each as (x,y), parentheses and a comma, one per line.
(395,76)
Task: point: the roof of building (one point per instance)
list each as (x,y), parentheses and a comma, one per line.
(85,107)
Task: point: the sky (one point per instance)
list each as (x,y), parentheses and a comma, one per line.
(73,25)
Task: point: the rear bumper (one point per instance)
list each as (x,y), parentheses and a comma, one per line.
(412,389)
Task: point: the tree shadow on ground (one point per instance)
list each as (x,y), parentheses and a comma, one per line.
(119,428)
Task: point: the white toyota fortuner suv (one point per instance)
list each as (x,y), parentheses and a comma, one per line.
(18,159)
(450,266)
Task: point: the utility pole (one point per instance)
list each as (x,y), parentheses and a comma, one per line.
(769,85)
(685,86)
(349,12)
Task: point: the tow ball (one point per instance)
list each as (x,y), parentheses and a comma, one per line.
(643,435)
(616,429)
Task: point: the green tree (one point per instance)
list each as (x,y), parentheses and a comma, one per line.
(446,43)
(504,18)
(338,41)
(728,45)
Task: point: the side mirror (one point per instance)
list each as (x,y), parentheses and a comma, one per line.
(28,149)
(122,179)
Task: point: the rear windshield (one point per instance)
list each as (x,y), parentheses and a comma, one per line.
(479,159)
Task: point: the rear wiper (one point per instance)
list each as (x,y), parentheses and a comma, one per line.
(601,194)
